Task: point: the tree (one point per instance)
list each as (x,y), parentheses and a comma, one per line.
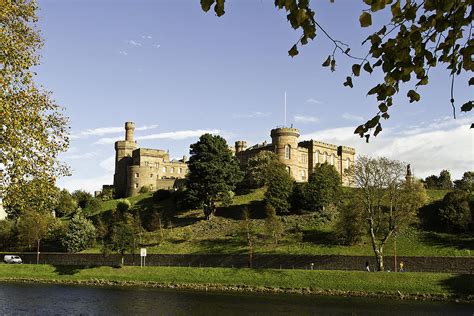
(37,194)
(455,212)
(279,189)
(420,35)
(33,129)
(8,234)
(349,227)
(324,188)
(80,234)
(431,182)
(248,234)
(33,227)
(66,204)
(82,198)
(123,206)
(258,168)
(387,201)
(122,239)
(444,180)
(466,183)
(273,227)
(213,173)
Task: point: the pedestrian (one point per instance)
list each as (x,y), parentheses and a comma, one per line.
(367,266)
(401,266)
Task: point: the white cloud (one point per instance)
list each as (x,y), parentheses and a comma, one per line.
(133,43)
(123,53)
(87,184)
(99,131)
(177,135)
(429,147)
(305,119)
(147,37)
(314,101)
(253,115)
(108,164)
(352,117)
(157,45)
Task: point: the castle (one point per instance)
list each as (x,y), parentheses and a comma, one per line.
(136,168)
(300,158)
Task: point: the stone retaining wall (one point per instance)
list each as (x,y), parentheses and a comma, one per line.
(324,262)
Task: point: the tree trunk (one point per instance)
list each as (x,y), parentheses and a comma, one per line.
(123,259)
(38,251)
(379,258)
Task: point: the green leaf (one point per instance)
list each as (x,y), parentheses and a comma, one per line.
(396,11)
(471,81)
(368,68)
(466,107)
(206,4)
(383,107)
(327,62)
(348,82)
(356,70)
(413,95)
(360,130)
(365,19)
(293,51)
(333,65)
(373,122)
(378,129)
(219,7)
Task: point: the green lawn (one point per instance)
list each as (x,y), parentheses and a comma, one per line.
(389,283)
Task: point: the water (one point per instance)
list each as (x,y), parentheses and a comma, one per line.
(38,299)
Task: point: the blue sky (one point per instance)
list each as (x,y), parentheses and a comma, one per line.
(178,72)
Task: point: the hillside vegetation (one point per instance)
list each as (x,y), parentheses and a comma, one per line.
(188,232)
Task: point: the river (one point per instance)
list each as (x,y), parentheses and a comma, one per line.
(40,299)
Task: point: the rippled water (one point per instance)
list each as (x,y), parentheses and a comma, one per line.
(28,299)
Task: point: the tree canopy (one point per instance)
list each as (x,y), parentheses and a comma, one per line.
(33,129)
(213,173)
(419,36)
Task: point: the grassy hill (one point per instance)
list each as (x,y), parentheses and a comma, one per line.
(188,232)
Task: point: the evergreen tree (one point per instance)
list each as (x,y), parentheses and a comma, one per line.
(80,234)
(213,173)
(279,189)
(324,188)
(66,204)
(444,180)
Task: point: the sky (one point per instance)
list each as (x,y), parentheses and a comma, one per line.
(178,72)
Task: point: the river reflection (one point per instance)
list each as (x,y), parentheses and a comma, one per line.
(28,299)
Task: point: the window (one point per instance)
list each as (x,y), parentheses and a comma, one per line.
(137,175)
(288,169)
(325,158)
(305,159)
(146,163)
(180,170)
(172,170)
(164,169)
(136,185)
(347,163)
(287,152)
(151,175)
(303,175)
(316,157)
(332,160)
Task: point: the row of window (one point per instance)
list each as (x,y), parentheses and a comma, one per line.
(304,158)
(179,171)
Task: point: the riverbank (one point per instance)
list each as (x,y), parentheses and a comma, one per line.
(426,286)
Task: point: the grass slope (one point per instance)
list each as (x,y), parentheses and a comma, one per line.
(188,232)
(441,284)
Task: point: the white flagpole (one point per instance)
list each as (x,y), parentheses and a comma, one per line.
(285,108)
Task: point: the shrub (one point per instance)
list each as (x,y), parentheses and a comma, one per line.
(349,227)
(123,206)
(80,234)
(455,212)
(161,195)
(144,189)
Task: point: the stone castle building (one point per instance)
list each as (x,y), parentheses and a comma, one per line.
(300,157)
(143,167)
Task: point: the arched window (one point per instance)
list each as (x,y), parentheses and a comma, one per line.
(287,152)
(332,160)
(303,174)
(288,169)
(316,157)
(348,161)
(325,157)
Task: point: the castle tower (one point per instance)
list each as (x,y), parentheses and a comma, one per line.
(285,144)
(240,145)
(123,159)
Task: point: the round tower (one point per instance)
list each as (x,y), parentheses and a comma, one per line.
(129,131)
(285,144)
(240,145)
